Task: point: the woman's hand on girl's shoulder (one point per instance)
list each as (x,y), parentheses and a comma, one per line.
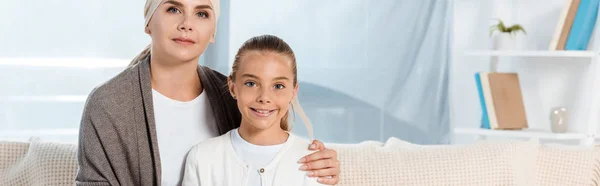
(323,164)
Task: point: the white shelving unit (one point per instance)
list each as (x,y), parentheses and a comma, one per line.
(586,138)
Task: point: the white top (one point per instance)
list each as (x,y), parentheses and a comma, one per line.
(215,162)
(254,155)
(179,126)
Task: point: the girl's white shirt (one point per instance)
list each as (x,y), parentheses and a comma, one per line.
(215,162)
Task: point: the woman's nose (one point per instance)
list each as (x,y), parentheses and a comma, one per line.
(185,25)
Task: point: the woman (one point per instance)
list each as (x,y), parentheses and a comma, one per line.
(137,127)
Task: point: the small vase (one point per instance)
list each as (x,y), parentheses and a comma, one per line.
(559,120)
(505,41)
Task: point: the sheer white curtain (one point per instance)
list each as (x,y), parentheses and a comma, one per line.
(368,70)
(52,53)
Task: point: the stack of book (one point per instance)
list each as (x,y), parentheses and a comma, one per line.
(501,101)
(575,25)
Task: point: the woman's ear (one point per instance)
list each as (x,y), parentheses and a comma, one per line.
(212,39)
(231,87)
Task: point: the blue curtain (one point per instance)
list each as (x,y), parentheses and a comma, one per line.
(368,70)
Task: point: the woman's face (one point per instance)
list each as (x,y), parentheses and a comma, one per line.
(263,88)
(182,29)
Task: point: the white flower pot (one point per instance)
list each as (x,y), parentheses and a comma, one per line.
(505,41)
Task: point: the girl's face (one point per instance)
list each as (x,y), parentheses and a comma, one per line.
(182,29)
(263,88)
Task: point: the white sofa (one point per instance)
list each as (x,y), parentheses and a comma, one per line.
(394,162)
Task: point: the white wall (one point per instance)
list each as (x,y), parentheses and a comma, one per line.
(545,82)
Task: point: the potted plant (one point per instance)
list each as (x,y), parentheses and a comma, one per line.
(505,37)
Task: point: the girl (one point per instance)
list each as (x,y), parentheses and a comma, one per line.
(261,151)
(137,128)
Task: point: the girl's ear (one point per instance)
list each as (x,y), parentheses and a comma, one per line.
(231,87)
(295,91)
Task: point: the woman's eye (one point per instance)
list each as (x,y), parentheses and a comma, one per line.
(250,84)
(202,14)
(279,86)
(173,10)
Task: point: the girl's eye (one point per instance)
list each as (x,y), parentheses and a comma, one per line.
(279,86)
(250,84)
(202,14)
(173,10)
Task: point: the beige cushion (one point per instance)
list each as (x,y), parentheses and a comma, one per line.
(400,163)
(37,163)
(10,154)
(568,165)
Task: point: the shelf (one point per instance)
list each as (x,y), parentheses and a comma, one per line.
(531,53)
(525,133)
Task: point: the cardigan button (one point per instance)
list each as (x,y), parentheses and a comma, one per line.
(262,170)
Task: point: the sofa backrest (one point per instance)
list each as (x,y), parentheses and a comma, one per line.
(37,163)
(394,162)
